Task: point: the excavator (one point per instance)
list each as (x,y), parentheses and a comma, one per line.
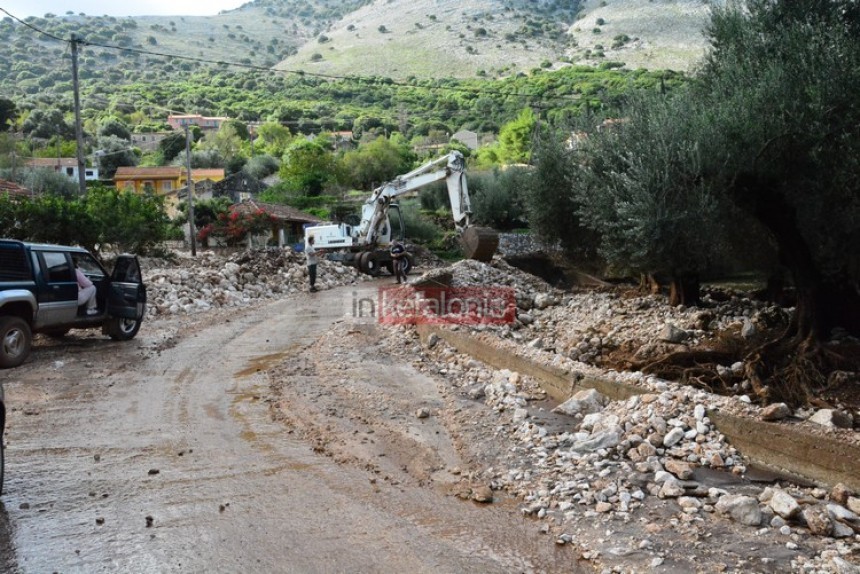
(365,245)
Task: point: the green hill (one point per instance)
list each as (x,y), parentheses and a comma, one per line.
(418,61)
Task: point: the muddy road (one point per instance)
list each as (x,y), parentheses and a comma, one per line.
(197,448)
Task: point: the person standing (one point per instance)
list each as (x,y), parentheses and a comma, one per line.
(311,254)
(398,261)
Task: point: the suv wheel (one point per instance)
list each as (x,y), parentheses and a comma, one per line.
(15,341)
(122,329)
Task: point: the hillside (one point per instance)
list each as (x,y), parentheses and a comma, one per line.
(421,62)
(387,38)
(440,38)
(653,34)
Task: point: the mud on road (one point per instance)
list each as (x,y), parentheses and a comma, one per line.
(251,440)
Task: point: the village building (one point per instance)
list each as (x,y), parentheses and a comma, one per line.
(67,166)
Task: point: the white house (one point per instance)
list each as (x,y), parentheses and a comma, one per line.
(68,166)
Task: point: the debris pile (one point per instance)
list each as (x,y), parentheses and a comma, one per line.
(611,459)
(211,281)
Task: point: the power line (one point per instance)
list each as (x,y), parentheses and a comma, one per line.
(531,98)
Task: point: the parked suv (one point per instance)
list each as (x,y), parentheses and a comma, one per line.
(39,294)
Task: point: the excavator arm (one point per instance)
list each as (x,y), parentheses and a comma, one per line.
(478,243)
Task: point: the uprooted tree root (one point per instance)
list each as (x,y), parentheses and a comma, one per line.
(796,371)
(784,369)
(695,368)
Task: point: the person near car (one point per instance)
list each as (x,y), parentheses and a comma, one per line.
(86,292)
(311,254)
(398,259)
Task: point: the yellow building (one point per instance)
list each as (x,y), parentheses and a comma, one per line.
(164,181)
(161,180)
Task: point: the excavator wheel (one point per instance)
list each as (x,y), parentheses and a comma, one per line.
(368,263)
(479,243)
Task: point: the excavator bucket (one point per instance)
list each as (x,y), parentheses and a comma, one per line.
(479,243)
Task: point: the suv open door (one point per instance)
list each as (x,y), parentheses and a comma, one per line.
(126,303)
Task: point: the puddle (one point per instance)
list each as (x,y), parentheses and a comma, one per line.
(263,363)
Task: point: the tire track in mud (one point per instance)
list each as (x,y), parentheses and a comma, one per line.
(148,457)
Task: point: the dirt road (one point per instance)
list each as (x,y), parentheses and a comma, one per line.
(163,455)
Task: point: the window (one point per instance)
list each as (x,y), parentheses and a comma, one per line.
(166,185)
(86,263)
(70,171)
(13,263)
(57,267)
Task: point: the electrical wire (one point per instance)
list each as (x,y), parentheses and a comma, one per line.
(331,77)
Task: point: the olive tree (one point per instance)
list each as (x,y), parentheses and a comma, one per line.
(779,90)
(638,185)
(768,135)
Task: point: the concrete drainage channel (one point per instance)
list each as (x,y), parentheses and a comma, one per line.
(775,447)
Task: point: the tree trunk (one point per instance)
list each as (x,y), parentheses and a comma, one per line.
(771,209)
(648,284)
(684,291)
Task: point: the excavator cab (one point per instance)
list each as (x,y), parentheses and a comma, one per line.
(397,228)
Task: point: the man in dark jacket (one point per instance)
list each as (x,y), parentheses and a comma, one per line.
(398,258)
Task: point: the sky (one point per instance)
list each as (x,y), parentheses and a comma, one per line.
(24,8)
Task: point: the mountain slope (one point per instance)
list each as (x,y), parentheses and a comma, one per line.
(438,38)
(666,34)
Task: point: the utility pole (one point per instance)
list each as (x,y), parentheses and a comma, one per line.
(189,185)
(79,131)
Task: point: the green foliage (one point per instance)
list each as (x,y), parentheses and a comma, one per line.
(226,144)
(209,158)
(45,181)
(552,207)
(496,197)
(172,145)
(779,91)
(307,168)
(206,211)
(418,228)
(53,219)
(261,166)
(376,162)
(273,138)
(46,124)
(126,221)
(764,139)
(8,114)
(638,186)
(112,153)
(55,147)
(114,127)
(238,128)
(515,138)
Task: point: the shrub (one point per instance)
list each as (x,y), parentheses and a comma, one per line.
(235,227)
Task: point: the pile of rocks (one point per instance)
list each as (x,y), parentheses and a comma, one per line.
(211,281)
(619,462)
(612,457)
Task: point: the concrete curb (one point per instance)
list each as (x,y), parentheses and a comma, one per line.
(777,447)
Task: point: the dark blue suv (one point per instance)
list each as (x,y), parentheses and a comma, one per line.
(39,294)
